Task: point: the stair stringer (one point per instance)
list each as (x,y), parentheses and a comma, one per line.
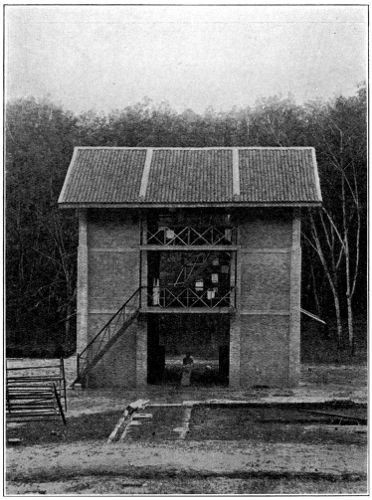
(96,373)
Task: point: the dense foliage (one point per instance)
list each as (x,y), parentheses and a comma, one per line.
(41,240)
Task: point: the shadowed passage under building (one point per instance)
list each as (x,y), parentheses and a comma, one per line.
(171,337)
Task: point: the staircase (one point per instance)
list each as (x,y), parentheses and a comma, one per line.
(35,393)
(107,337)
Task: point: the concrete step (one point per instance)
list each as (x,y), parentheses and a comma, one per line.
(142,416)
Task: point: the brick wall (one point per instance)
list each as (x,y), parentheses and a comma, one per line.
(117,368)
(269,299)
(108,275)
(264,350)
(265,331)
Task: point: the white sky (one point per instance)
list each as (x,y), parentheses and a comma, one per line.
(102,58)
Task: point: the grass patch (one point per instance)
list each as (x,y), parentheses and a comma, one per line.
(259,423)
(349,377)
(84,427)
(267,424)
(160,427)
(96,426)
(319,343)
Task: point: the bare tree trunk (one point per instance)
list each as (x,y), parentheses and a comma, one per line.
(67,329)
(350,288)
(338,318)
(347,268)
(332,280)
(315,291)
(350,325)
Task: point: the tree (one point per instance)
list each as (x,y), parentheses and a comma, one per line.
(41,242)
(338,130)
(41,239)
(278,122)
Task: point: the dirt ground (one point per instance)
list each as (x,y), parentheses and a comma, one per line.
(56,464)
(244,466)
(114,485)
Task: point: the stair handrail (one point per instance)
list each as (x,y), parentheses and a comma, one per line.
(109,322)
(63,381)
(59,404)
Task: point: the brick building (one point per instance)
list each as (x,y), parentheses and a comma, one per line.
(189,249)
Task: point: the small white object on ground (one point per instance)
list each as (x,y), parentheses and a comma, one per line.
(185,427)
(119,431)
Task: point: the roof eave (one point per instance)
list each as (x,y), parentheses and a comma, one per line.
(191,205)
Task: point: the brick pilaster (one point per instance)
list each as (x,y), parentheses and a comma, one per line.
(141,353)
(234,370)
(82,283)
(295,304)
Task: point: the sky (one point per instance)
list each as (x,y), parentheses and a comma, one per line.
(104,58)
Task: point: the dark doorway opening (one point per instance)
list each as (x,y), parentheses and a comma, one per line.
(205,336)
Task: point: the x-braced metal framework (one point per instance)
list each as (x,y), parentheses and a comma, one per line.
(184,298)
(191,236)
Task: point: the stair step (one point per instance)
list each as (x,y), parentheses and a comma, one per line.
(30,414)
(31,405)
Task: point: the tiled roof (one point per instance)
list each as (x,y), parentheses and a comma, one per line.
(191,176)
(103,175)
(277,175)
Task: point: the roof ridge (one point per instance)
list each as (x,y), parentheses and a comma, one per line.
(145,174)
